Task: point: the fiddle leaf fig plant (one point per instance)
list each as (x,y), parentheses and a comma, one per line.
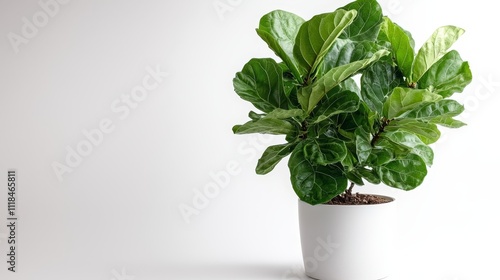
(341,131)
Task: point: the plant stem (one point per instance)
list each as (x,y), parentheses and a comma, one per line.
(349,191)
(385,123)
(304,129)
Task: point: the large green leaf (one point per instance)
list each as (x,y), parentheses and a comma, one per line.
(261,83)
(285,114)
(311,95)
(345,51)
(403,173)
(337,102)
(316,37)
(447,76)
(401,44)
(363,145)
(314,184)
(350,161)
(402,100)
(347,123)
(366,25)
(370,175)
(440,112)
(272,156)
(265,126)
(448,122)
(434,48)
(350,85)
(382,145)
(279,30)
(428,133)
(324,150)
(377,82)
(255,116)
(355,177)
(380,156)
(412,143)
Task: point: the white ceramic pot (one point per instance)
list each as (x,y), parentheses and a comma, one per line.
(341,242)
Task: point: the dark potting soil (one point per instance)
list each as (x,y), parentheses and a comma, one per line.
(358,199)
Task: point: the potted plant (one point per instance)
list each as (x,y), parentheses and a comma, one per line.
(355,102)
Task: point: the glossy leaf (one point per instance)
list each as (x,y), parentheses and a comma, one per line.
(355,177)
(348,123)
(382,145)
(370,175)
(404,173)
(324,151)
(434,48)
(290,88)
(285,114)
(380,156)
(261,83)
(412,143)
(316,37)
(279,30)
(403,100)
(265,126)
(337,103)
(447,76)
(350,161)
(378,82)
(448,122)
(366,25)
(255,116)
(350,85)
(401,44)
(428,133)
(345,51)
(436,112)
(410,37)
(311,95)
(363,145)
(272,156)
(314,184)
(289,85)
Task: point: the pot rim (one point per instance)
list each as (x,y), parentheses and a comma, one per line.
(359,205)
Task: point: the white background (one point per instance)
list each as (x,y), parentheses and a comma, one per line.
(116,215)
